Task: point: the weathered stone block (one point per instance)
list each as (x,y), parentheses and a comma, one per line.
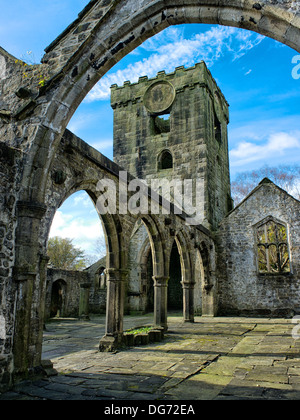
(108,344)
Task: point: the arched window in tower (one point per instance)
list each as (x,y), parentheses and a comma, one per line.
(272,247)
(165,160)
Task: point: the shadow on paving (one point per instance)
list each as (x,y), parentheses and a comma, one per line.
(212,359)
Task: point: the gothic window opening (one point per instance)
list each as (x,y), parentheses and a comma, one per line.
(273,248)
(165,160)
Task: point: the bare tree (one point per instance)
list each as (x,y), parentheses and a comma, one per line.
(286,177)
(100,247)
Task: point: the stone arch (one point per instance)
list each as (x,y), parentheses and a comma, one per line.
(185,256)
(158,249)
(187,271)
(140,266)
(156,243)
(116,264)
(146,262)
(125,26)
(175,282)
(111,223)
(165,160)
(58,298)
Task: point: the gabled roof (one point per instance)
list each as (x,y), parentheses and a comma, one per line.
(259,186)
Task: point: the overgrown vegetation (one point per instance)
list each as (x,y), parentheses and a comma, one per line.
(37,74)
(141,330)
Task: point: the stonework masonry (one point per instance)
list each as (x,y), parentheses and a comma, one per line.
(196,115)
(242,289)
(42,164)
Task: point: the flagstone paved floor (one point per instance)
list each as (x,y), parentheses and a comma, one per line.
(212,359)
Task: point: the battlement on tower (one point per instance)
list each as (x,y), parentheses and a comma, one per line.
(181,78)
(174,126)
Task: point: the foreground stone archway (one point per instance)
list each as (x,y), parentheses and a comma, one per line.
(122,27)
(32,126)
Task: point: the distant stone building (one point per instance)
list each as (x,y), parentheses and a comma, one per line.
(258,249)
(65,290)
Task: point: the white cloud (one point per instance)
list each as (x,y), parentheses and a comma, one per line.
(83,200)
(84,230)
(102,144)
(276,145)
(81,120)
(170,49)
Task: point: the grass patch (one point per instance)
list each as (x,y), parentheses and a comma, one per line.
(140,330)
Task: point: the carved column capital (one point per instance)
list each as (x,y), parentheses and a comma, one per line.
(161,281)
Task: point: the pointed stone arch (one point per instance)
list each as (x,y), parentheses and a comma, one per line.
(183,245)
(157,243)
(121,28)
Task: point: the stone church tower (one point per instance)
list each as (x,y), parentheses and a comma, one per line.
(174,126)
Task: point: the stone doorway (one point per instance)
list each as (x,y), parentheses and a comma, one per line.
(58,297)
(175,292)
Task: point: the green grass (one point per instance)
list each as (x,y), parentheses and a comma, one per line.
(141,330)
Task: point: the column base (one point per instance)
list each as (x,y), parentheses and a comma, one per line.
(84,318)
(189,321)
(109,343)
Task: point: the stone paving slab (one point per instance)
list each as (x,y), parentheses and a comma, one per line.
(212,359)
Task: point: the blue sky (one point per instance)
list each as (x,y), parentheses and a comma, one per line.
(254,73)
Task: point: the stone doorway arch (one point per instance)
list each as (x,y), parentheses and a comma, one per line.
(175,290)
(58,299)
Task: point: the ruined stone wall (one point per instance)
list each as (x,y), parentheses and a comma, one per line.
(72,280)
(8,289)
(241,289)
(97,302)
(20,86)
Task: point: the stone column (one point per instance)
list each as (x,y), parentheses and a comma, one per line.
(161,302)
(116,283)
(188,302)
(29,309)
(209,299)
(39,319)
(208,306)
(84,301)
